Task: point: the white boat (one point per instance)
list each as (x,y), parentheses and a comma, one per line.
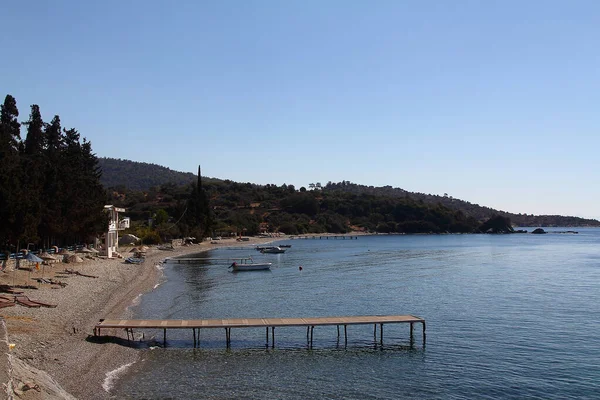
(246,264)
(273,250)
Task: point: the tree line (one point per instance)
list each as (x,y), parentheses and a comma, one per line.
(232,208)
(147,178)
(50,190)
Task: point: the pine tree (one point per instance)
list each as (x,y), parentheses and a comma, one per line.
(83,196)
(10,128)
(10,139)
(32,166)
(51,217)
(34,142)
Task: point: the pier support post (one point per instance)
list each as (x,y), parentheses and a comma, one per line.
(267,329)
(381,334)
(345,334)
(424,335)
(165,337)
(273,337)
(312,328)
(374,332)
(411,331)
(338,330)
(227,337)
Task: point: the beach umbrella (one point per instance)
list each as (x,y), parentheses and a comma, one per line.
(64,252)
(93,250)
(73,258)
(32,258)
(84,250)
(144,248)
(47,257)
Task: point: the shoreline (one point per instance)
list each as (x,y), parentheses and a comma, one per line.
(52,357)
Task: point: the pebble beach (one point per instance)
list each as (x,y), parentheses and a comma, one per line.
(51,353)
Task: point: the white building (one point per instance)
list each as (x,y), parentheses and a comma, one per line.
(111,238)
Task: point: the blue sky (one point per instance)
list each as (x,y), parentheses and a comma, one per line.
(493,102)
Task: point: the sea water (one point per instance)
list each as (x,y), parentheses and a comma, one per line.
(508,316)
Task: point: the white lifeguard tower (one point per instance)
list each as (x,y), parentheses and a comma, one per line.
(111,238)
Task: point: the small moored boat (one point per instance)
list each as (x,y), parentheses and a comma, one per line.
(273,250)
(247,264)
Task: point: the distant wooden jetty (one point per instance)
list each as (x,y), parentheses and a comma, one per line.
(272,323)
(195,260)
(326,237)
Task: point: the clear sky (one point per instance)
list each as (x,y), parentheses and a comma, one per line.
(493,102)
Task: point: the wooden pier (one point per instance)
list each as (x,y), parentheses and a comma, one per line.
(272,323)
(196,260)
(325,237)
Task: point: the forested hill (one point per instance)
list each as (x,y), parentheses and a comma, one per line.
(139,175)
(476,211)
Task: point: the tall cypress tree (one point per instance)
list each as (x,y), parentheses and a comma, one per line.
(83,195)
(34,142)
(199,220)
(95,196)
(10,139)
(51,217)
(32,165)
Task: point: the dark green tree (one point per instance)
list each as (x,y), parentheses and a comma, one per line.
(82,195)
(51,225)
(198,221)
(161,217)
(10,139)
(32,165)
(34,142)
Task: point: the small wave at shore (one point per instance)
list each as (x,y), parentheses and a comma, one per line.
(112,376)
(136,302)
(161,267)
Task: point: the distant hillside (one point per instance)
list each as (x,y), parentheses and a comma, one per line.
(480,213)
(138,175)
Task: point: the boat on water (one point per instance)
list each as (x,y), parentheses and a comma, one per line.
(273,250)
(247,264)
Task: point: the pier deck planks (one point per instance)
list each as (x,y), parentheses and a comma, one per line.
(257,322)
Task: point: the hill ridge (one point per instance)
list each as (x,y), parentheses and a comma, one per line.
(141,176)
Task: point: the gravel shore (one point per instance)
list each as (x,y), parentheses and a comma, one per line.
(54,355)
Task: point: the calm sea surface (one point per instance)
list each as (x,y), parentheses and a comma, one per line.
(508,316)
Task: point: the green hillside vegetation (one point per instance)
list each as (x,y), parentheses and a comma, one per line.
(333,207)
(135,175)
(249,209)
(481,213)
